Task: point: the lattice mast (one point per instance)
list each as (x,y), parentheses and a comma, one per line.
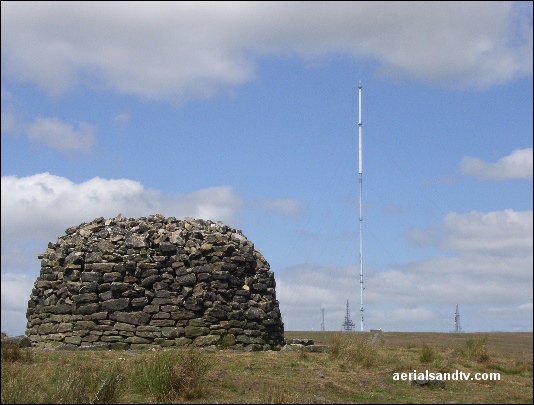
(361,186)
(457,326)
(348,325)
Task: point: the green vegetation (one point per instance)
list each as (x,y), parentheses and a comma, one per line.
(476,349)
(427,354)
(12,353)
(172,374)
(354,349)
(349,370)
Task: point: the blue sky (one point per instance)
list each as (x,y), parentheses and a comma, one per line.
(247,112)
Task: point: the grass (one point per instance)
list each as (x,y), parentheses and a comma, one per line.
(350,370)
(476,349)
(172,374)
(353,349)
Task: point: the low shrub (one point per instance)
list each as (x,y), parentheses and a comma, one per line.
(476,349)
(171,374)
(427,354)
(353,348)
(11,352)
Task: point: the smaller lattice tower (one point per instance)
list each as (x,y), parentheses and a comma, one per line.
(457,327)
(348,325)
(322,323)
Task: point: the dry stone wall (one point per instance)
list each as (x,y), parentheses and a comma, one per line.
(124,283)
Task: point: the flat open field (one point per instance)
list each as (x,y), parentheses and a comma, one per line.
(517,345)
(349,370)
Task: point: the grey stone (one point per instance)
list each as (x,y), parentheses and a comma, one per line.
(125,283)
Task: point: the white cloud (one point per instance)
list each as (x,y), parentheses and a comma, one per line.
(216,203)
(516,165)
(489,259)
(505,231)
(37,209)
(488,262)
(282,206)
(16,290)
(408,315)
(45,205)
(176,49)
(50,131)
(15,286)
(8,121)
(512,312)
(61,136)
(122,118)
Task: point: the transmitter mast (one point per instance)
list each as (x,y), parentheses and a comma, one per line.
(360,181)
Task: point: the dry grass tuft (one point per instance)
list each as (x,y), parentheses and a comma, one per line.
(353,348)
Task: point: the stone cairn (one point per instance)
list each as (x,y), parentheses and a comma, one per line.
(124,283)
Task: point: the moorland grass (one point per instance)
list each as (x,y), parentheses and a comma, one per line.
(350,370)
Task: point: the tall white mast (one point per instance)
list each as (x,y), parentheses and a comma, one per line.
(361,181)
